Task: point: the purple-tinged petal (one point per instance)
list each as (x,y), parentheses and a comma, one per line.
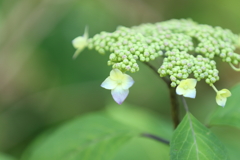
(119,94)
(108,83)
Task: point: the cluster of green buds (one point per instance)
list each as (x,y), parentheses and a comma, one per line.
(188,50)
(180,65)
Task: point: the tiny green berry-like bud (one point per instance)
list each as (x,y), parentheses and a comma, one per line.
(213,80)
(152,57)
(109,63)
(127,68)
(179,75)
(208,81)
(112,56)
(228,59)
(173,84)
(173,78)
(185,76)
(163,73)
(142,59)
(133,70)
(123,65)
(125,61)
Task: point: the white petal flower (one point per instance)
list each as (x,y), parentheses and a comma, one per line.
(221,97)
(119,83)
(80,43)
(187,88)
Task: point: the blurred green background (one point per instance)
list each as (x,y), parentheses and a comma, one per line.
(42,86)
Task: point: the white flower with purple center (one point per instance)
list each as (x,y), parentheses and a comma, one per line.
(118,83)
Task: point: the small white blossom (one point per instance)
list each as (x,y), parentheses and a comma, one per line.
(80,43)
(221,97)
(119,83)
(187,88)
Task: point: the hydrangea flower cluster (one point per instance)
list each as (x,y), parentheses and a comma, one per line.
(188,50)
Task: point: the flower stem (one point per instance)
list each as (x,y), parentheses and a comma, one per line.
(175,106)
(166,80)
(156,138)
(185,104)
(233,67)
(215,89)
(173,97)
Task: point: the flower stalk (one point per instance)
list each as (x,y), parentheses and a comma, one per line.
(173,97)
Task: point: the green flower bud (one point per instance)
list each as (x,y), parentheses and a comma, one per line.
(173,84)
(208,81)
(137,53)
(133,70)
(152,57)
(128,68)
(173,78)
(228,59)
(213,80)
(179,75)
(125,61)
(109,63)
(142,59)
(123,65)
(185,76)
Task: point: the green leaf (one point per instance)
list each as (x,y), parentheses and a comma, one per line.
(230,138)
(5,157)
(143,149)
(193,141)
(92,137)
(230,114)
(141,119)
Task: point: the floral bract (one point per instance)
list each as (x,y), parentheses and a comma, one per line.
(187,88)
(80,43)
(221,97)
(119,83)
